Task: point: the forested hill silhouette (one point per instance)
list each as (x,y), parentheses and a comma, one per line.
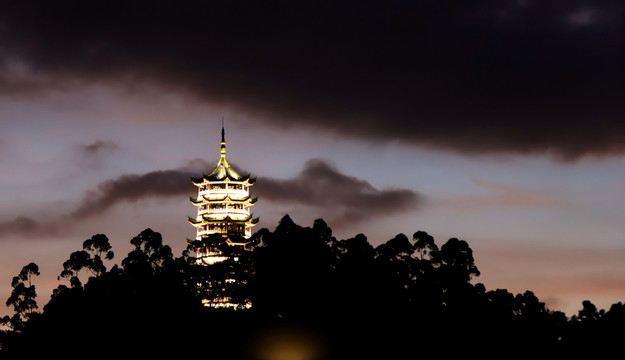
(314,297)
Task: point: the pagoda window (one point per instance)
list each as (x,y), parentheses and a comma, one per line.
(218,186)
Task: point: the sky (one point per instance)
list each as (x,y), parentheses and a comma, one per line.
(498,122)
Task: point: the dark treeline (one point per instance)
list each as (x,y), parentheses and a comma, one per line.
(314,297)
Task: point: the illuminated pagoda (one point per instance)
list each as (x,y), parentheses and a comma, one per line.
(224,227)
(223,207)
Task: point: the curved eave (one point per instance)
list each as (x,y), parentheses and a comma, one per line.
(228,177)
(223,171)
(205,220)
(228,198)
(230,242)
(196,201)
(198,181)
(205,200)
(227,218)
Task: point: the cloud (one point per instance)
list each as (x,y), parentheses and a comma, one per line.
(346,198)
(26,226)
(125,188)
(134,187)
(513,77)
(97,147)
(319,185)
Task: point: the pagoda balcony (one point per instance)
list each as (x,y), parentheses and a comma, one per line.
(224,212)
(233,193)
(232,217)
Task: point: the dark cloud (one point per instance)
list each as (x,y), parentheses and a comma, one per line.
(26,226)
(97,147)
(512,76)
(345,198)
(321,185)
(126,188)
(134,187)
(342,197)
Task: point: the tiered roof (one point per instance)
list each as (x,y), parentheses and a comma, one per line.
(224,173)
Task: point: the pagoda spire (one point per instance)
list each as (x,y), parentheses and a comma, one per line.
(223,140)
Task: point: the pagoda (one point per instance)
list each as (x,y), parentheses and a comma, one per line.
(223,207)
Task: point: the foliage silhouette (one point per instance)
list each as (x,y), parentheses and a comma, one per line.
(405,298)
(22,297)
(224,280)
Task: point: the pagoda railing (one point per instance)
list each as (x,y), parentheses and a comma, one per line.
(221,192)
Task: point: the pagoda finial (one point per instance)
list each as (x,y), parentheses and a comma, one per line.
(223,132)
(223,139)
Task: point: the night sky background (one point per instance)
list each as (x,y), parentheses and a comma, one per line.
(498,122)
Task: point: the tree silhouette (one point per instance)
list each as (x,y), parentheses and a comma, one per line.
(404,298)
(22,297)
(424,245)
(98,245)
(223,283)
(89,258)
(149,255)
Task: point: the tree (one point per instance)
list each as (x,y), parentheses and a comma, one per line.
(424,245)
(77,261)
(149,255)
(97,246)
(456,261)
(396,249)
(293,269)
(90,258)
(22,297)
(589,312)
(224,281)
(414,297)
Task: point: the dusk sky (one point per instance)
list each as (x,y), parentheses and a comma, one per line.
(498,122)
